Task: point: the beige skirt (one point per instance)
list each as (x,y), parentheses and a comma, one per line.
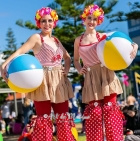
(55,87)
(100,82)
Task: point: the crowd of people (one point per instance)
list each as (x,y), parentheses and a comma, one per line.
(11,123)
(102,116)
(131,122)
(23,125)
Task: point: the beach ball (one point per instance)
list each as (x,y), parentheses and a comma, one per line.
(74,133)
(25,73)
(114,50)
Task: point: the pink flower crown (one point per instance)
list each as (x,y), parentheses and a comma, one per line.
(45,11)
(94,10)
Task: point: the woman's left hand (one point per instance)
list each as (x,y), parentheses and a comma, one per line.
(64,72)
(134,51)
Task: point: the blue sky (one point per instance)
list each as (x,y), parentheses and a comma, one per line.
(13,10)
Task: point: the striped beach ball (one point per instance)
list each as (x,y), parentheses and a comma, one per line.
(114,50)
(25,73)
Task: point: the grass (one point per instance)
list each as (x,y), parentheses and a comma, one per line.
(81,137)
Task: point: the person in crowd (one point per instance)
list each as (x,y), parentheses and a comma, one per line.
(133,124)
(18,125)
(27,110)
(5,110)
(28,129)
(130,99)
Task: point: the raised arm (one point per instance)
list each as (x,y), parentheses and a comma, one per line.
(28,45)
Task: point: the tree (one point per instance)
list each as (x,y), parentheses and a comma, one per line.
(71,26)
(122,16)
(3,85)
(11,46)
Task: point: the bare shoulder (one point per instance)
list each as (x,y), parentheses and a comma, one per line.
(77,40)
(35,37)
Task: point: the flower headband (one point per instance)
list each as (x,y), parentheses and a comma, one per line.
(94,10)
(45,11)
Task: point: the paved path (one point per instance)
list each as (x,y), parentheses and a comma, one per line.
(10,137)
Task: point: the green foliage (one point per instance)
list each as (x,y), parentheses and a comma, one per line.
(2,85)
(2,98)
(135,67)
(122,16)
(11,45)
(133,15)
(26,24)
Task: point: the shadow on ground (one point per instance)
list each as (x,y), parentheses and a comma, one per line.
(10,137)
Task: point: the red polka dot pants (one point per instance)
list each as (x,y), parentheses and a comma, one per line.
(93,122)
(64,124)
(42,130)
(113,122)
(110,113)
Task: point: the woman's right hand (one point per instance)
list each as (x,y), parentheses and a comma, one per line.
(4,73)
(83,70)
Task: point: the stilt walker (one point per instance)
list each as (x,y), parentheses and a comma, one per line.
(55,90)
(101,85)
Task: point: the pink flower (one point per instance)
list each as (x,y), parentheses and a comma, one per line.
(57,57)
(54,59)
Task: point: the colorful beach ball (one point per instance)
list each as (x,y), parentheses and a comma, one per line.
(25,73)
(114,50)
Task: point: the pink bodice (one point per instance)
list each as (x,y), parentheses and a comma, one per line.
(48,56)
(88,52)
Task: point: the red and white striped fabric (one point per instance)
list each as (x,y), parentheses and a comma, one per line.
(88,52)
(48,56)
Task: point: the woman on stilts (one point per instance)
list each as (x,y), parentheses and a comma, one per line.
(55,90)
(101,85)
